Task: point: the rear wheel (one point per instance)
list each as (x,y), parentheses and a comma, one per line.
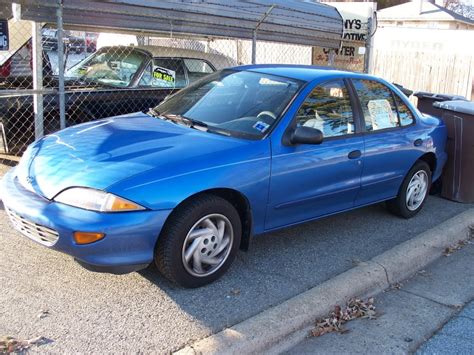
(199,241)
(413,192)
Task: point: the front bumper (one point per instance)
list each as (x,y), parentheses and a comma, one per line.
(130,237)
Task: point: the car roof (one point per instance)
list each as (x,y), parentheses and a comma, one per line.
(217,60)
(303,72)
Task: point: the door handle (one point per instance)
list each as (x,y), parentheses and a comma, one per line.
(418,142)
(354,154)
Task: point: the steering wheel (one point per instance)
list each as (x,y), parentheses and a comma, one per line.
(267,113)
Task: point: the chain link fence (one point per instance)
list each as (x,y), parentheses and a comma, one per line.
(108,74)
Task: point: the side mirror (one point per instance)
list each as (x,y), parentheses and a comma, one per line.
(306,135)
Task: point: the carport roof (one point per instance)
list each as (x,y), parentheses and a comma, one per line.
(301,22)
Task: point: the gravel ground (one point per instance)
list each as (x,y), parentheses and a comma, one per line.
(90,312)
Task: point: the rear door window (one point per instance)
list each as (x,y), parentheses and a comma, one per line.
(164,73)
(378,105)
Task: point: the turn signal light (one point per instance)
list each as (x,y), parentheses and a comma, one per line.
(87,237)
(121,204)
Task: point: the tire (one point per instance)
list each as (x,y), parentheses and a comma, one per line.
(407,209)
(436,187)
(174,256)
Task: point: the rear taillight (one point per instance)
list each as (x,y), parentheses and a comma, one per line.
(5,68)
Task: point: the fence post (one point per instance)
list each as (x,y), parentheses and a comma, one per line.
(61,64)
(37,61)
(368,45)
(254,38)
(254,47)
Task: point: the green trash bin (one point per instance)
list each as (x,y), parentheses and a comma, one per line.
(458,174)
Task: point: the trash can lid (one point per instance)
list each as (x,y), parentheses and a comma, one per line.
(438,97)
(457,106)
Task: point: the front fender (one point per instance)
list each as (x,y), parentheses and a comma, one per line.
(246,171)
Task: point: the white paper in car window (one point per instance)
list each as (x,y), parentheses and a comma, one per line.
(381,114)
(336,92)
(163,77)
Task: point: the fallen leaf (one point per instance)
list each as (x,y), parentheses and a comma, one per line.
(355,308)
(458,246)
(396,286)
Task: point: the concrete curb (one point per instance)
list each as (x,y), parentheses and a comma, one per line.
(267,329)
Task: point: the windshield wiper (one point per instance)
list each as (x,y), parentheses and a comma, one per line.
(186,120)
(152,112)
(178,119)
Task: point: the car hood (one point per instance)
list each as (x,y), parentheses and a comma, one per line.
(102,153)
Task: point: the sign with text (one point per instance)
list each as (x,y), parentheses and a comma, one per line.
(351,54)
(4,39)
(163,77)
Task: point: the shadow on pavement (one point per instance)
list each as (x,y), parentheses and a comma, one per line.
(282,264)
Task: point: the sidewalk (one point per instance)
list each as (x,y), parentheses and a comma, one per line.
(410,315)
(456,337)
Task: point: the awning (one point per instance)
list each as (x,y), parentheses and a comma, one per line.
(301,22)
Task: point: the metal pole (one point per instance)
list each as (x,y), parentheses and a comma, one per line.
(368,43)
(254,47)
(62,107)
(37,61)
(254,39)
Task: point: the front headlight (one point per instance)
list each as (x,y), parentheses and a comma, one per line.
(95,200)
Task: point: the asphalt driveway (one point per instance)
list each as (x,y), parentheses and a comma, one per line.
(90,312)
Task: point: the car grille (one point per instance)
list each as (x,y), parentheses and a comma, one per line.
(38,233)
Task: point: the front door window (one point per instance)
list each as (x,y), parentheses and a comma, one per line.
(328,108)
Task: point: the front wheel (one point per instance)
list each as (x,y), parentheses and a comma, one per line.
(199,241)
(413,192)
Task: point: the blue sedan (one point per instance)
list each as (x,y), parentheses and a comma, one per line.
(243,151)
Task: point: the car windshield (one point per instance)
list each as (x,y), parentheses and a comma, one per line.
(109,65)
(241,103)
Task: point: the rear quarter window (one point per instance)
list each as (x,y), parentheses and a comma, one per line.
(404,112)
(197,68)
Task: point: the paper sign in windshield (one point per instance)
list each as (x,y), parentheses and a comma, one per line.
(164,76)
